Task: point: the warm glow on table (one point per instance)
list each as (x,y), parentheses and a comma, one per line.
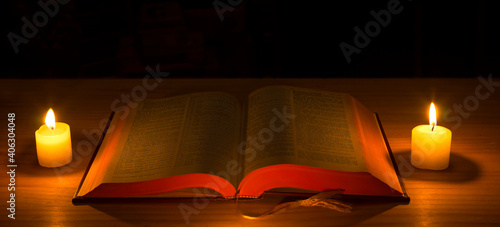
(53,142)
(430,144)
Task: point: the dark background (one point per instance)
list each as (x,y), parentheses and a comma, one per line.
(263,38)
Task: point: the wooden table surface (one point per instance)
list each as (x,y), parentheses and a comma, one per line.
(466,193)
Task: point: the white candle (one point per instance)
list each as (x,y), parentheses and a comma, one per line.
(53,142)
(430,144)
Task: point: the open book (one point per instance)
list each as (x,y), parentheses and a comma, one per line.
(281,139)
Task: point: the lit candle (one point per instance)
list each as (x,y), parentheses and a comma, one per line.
(53,142)
(430,144)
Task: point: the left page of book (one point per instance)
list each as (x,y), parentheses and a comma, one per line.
(194,133)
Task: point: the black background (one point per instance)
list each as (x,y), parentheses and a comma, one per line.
(258,39)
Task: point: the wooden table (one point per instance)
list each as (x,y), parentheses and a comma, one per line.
(468,192)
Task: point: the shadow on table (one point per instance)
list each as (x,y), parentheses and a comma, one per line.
(362,209)
(461,169)
(228,213)
(29,158)
(171,212)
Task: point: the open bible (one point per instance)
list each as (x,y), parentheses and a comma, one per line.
(280,139)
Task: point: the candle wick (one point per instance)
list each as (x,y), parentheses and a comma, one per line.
(433,126)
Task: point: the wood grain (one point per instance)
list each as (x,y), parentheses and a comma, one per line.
(467,193)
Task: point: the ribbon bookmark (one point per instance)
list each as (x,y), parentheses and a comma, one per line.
(327,199)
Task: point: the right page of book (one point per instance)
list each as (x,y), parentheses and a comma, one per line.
(375,152)
(288,125)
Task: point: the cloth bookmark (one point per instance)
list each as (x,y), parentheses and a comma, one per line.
(327,199)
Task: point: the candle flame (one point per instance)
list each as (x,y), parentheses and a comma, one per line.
(50,119)
(432,116)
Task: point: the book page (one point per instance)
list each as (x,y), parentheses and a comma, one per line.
(376,153)
(180,135)
(300,126)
